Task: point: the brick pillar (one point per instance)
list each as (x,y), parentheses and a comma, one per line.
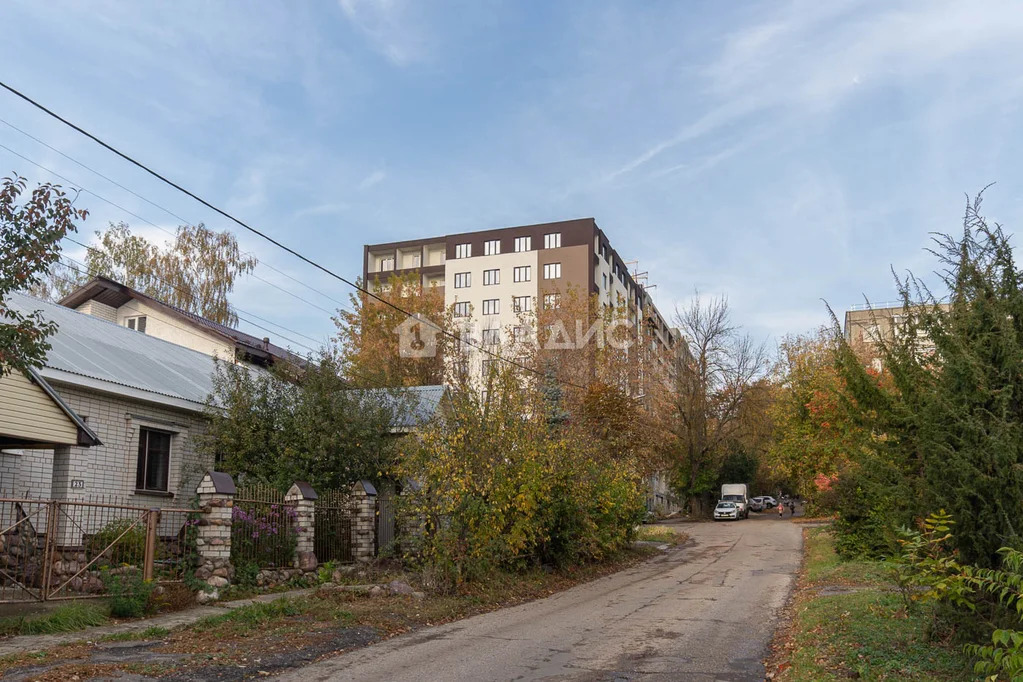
(303,496)
(216,498)
(364,523)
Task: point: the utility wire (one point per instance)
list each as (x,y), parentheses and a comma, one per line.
(267,237)
(86,190)
(156,205)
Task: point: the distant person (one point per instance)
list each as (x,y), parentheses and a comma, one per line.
(781,511)
(792,507)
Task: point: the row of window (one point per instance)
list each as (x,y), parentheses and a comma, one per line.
(492,247)
(520,273)
(520,304)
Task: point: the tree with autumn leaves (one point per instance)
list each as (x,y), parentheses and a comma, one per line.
(30,234)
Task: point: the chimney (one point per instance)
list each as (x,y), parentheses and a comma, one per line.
(266,343)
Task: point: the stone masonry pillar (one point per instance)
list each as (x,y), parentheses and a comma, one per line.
(303,497)
(364,523)
(216,498)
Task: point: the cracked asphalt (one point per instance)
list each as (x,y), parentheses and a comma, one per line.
(705,611)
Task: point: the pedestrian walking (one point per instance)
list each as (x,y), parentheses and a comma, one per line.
(781,511)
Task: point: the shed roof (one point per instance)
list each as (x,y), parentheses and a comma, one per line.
(413,405)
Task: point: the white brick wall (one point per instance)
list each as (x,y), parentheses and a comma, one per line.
(109,469)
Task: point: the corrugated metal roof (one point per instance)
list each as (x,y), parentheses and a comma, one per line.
(88,346)
(413,405)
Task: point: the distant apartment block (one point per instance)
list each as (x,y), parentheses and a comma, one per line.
(867,325)
(489,277)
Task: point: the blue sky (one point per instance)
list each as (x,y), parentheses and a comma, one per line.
(779,153)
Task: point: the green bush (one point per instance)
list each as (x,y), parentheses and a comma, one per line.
(126,540)
(129,594)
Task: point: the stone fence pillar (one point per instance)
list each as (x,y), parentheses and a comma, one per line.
(364,523)
(216,498)
(303,497)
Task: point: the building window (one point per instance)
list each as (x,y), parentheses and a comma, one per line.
(522,304)
(491,337)
(387,263)
(523,244)
(154,460)
(521,273)
(491,277)
(552,271)
(552,240)
(520,333)
(491,306)
(463,280)
(551,301)
(492,247)
(136,323)
(605,280)
(603,251)
(489,366)
(461,309)
(463,250)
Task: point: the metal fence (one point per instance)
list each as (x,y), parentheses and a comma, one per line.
(69,549)
(263,528)
(385,521)
(332,538)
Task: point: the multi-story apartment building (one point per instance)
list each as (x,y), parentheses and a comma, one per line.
(490,277)
(868,324)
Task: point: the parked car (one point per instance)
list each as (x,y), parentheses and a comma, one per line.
(768,501)
(756,504)
(726,510)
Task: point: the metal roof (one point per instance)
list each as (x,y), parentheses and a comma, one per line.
(92,352)
(413,405)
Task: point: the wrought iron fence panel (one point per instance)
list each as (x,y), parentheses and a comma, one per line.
(332,539)
(263,528)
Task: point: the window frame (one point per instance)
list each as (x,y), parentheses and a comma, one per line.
(136,323)
(491,277)
(459,306)
(142,462)
(491,306)
(463,250)
(552,267)
(528,308)
(548,298)
(552,240)
(492,247)
(519,269)
(526,241)
(494,336)
(463,280)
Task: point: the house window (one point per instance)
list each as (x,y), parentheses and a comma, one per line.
(523,244)
(552,271)
(387,263)
(463,280)
(492,247)
(461,309)
(521,273)
(522,304)
(491,337)
(463,250)
(551,301)
(154,460)
(552,240)
(491,306)
(491,277)
(136,323)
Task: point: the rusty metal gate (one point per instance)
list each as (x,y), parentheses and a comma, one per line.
(63,549)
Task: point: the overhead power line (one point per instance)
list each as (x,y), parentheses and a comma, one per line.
(266,237)
(102,198)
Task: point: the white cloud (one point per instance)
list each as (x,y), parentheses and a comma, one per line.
(385,24)
(374,178)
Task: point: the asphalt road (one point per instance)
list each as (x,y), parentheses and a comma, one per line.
(702,612)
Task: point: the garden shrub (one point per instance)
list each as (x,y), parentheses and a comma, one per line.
(129,594)
(129,548)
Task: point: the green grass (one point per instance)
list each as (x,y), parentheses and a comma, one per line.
(824,565)
(66,618)
(865,633)
(253,616)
